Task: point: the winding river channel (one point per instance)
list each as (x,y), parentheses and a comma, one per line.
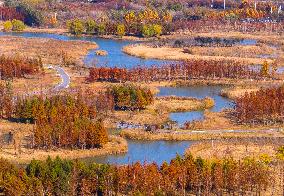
(149,151)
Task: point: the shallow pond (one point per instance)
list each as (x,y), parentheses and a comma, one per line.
(199,92)
(145,151)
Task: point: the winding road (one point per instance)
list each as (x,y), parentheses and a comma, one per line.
(65,78)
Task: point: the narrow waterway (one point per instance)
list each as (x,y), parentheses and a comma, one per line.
(199,92)
(149,151)
(145,151)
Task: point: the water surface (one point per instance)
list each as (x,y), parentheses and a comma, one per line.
(145,151)
(199,92)
(116,57)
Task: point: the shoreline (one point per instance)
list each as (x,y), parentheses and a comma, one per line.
(116,145)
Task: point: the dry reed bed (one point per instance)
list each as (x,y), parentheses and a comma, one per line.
(181,104)
(236,148)
(186,135)
(267,37)
(236,92)
(234,51)
(167,53)
(50,50)
(36,83)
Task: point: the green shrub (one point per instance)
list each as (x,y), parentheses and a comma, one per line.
(146,31)
(120,30)
(75,27)
(157,29)
(90,26)
(151,30)
(8,25)
(131,97)
(18,25)
(101,29)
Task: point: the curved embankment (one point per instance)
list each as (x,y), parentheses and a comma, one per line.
(167,53)
(116,145)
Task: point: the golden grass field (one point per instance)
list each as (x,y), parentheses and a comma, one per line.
(50,50)
(167,53)
(235,149)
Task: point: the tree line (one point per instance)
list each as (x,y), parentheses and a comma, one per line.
(18,67)
(186,70)
(263,106)
(182,176)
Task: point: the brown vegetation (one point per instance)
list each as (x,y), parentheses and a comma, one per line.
(163,53)
(51,51)
(237,148)
(239,91)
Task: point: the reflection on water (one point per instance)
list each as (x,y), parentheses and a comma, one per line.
(145,151)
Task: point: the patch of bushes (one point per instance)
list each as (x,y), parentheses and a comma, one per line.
(18,25)
(151,30)
(8,26)
(120,30)
(14,25)
(75,26)
(131,97)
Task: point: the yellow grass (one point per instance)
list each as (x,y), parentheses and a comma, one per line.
(116,145)
(236,150)
(36,83)
(167,53)
(188,135)
(159,111)
(236,92)
(50,50)
(234,51)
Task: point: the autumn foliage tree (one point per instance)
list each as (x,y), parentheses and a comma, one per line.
(263,106)
(16,66)
(63,121)
(6,99)
(185,71)
(182,176)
